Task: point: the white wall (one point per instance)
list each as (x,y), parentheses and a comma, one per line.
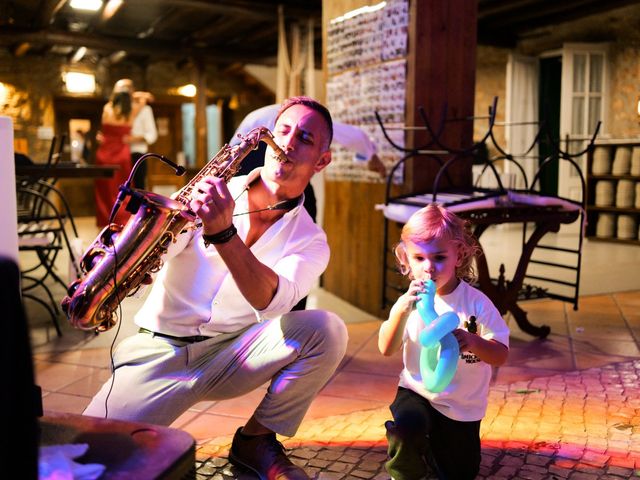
(268,77)
(8,212)
(264,74)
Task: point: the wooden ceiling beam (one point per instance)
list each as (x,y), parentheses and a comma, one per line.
(248,9)
(220,29)
(48,11)
(160,23)
(108,44)
(526,15)
(493,38)
(260,35)
(492,8)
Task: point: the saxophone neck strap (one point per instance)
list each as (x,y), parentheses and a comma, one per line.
(281,205)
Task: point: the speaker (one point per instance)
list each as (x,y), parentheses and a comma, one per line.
(20,397)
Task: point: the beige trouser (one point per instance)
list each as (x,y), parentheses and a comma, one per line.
(157,379)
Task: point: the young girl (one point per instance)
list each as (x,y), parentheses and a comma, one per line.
(440,432)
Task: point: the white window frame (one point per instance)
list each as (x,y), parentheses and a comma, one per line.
(523,78)
(568,181)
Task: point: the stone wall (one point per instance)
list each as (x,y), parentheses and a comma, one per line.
(622,118)
(490,82)
(624,121)
(28,99)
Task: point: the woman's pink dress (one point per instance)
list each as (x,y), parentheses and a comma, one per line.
(112,151)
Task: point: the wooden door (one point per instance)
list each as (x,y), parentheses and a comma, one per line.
(79,193)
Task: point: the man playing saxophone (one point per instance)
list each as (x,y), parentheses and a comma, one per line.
(217,322)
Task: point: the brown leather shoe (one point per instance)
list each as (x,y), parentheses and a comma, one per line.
(264,455)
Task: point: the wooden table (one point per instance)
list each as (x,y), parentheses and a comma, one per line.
(65,170)
(63,175)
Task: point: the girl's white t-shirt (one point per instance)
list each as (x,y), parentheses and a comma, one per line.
(466,397)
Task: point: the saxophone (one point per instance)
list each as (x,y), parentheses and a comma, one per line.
(116,263)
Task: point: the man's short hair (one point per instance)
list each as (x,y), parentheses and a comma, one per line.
(312,104)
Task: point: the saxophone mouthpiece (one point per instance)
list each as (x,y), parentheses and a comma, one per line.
(258,134)
(279,155)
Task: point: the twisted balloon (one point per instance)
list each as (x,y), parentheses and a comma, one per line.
(440,350)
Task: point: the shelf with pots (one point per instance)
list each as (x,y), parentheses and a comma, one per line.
(613,191)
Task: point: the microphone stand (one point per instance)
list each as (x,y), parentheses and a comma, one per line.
(125,189)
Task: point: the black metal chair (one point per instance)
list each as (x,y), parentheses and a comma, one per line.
(42,231)
(45,224)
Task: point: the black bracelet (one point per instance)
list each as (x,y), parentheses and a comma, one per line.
(221,237)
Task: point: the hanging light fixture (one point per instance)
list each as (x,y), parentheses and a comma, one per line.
(4,94)
(79,54)
(234,103)
(87,5)
(116,57)
(79,82)
(111,8)
(188,90)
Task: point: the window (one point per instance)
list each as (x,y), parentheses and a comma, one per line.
(584,95)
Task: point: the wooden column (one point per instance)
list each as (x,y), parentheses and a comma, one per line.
(441,72)
(441,68)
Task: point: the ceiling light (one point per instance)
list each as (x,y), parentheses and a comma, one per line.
(234,103)
(4,93)
(115,57)
(111,8)
(78,26)
(187,90)
(88,5)
(62,49)
(147,33)
(78,82)
(21,49)
(80,53)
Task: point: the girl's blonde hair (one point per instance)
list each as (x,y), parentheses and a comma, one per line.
(434,222)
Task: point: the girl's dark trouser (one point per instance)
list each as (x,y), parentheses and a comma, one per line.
(422,440)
